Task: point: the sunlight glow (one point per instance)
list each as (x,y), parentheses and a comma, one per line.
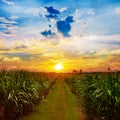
(58,67)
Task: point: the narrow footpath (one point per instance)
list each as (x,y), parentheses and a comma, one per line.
(60,104)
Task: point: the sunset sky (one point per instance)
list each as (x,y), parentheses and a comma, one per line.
(78,34)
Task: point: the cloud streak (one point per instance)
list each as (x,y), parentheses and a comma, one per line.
(8,2)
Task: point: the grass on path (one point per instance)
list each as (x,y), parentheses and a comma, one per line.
(60,104)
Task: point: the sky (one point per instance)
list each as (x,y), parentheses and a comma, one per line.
(79,34)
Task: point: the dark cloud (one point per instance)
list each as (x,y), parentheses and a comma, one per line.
(22,55)
(69,19)
(52,13)
(51,10)
(48,33)
(18,47)
(4,49)
(89,57)
(22,46)
(64,26)
(52,16)
(50,26)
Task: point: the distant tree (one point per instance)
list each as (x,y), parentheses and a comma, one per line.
(80,71)
(109,69)
(74,71)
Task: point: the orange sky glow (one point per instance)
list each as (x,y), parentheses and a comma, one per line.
(83,35)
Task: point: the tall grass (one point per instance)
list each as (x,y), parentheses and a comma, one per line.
(99,93)
(20,91)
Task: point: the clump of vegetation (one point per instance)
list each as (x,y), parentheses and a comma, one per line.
(20,91)
(99,93)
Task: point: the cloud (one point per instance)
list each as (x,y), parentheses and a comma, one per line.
(7,25)
(39,12)
(90,12)
(64,26)
(8,2)
(109,52)
(117,43)
(63,9)
(21,46)
(52,13)
(69,19)
(52,16)
(115,59)
(117,10)
(4,49)
(13,46)
(23,55)
(13,17)
(13,59)
(48,33)
(6,31)
(51,10)
(6,21)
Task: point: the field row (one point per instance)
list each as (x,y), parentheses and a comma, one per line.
(99,94)
(20,91)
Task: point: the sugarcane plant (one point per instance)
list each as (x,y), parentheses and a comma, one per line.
(20,91)
(99,94)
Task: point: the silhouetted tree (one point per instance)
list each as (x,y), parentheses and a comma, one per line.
(74,71)
(109,69)
(80,71)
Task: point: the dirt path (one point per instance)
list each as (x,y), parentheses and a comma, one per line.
(60,104)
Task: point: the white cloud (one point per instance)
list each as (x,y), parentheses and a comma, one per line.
(117,10)
(36,12)
(4,20)
(90,12)
(13,17)
(78,13)
(39,11)
(8,2)
(63,9)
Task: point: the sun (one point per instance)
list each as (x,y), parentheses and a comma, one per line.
(59,66)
